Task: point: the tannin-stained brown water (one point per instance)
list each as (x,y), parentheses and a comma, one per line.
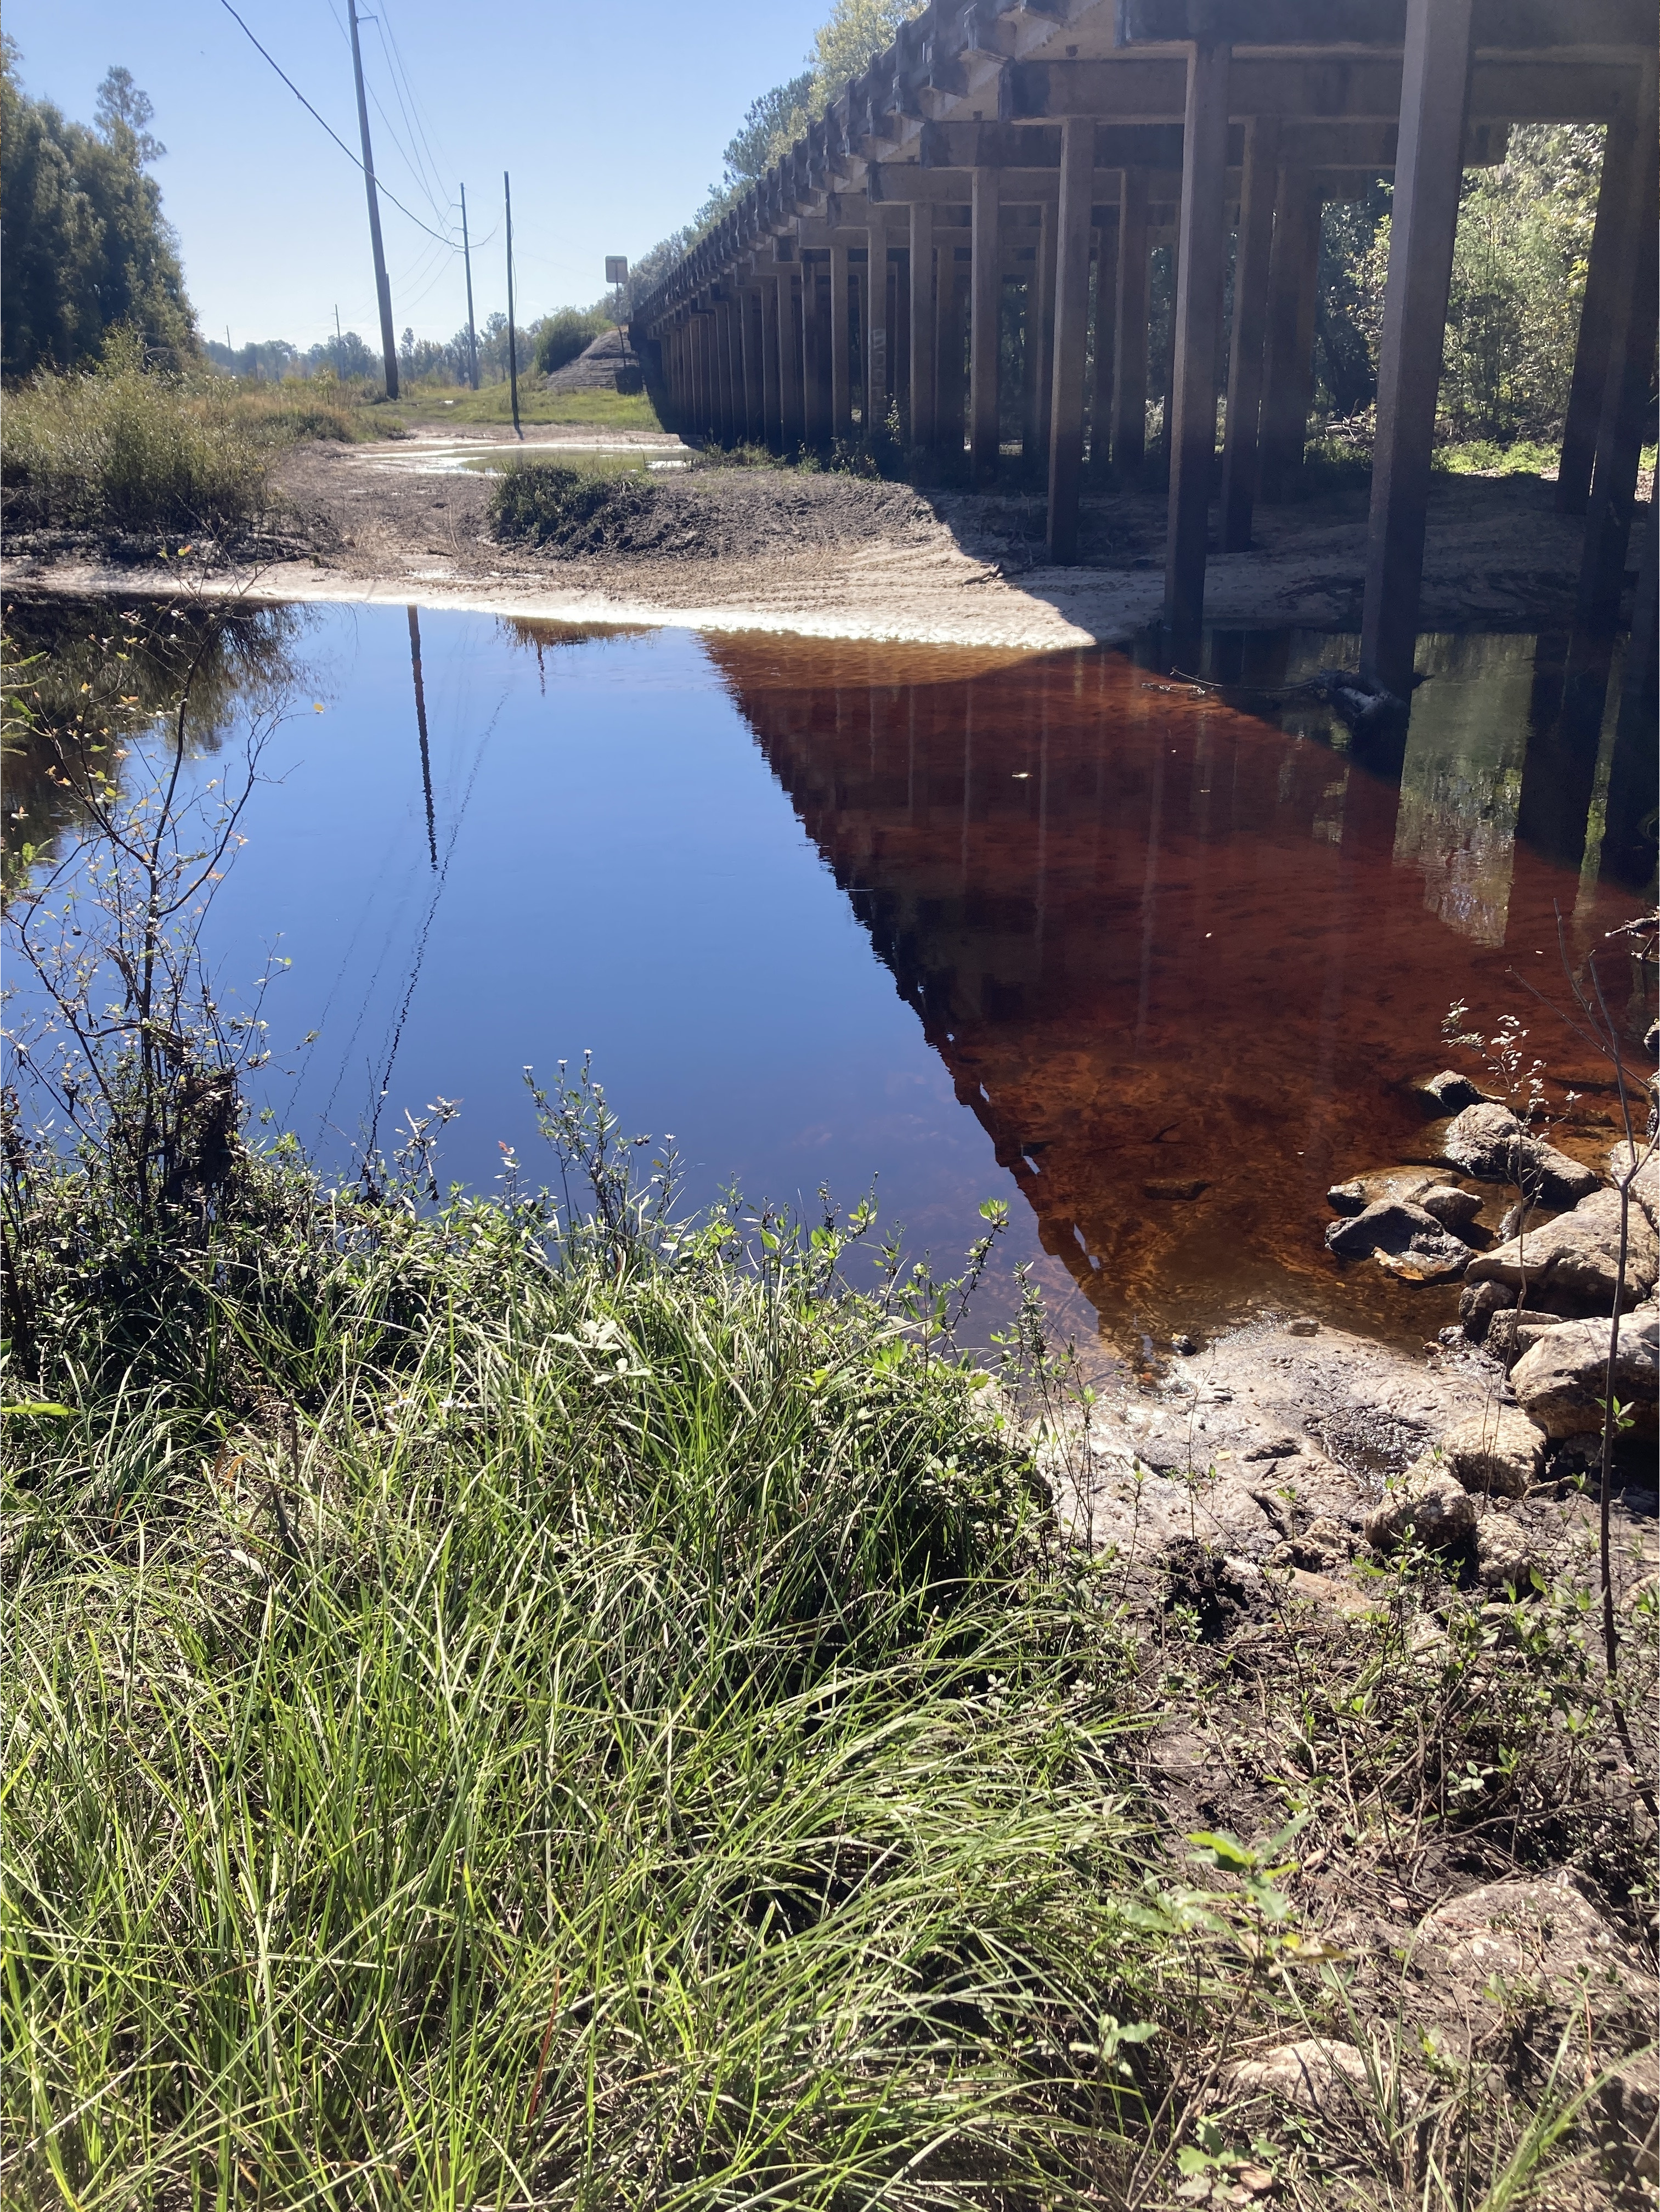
(1182,959)
(1155,965)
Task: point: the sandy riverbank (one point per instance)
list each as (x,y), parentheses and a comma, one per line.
(833,555)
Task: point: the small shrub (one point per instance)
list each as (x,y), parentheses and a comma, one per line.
(539,506)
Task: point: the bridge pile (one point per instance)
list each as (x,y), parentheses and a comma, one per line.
(1051,145)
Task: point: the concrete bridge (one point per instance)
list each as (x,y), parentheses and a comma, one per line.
(1055,143)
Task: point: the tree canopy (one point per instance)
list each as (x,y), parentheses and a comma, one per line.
(87,248)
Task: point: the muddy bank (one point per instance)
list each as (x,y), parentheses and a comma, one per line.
(834,556)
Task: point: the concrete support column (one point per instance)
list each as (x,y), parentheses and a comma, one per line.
(1129,325)
(1610,269)
(841,346)
(876,323)
(769,383)
(1626,395)
(1288,351)
(1428,166)
(695,331)
(1039,347)
(1100,397)
(1190,412)
(1071,333)
(924,329)
(815,403)
(986,287)
(1250,315)
(791,415)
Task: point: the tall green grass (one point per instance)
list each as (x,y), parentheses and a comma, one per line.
(125,447)
(489,1732)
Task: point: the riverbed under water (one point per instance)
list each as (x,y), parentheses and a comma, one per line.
(1155,965)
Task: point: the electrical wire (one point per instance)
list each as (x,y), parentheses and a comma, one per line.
(354,158)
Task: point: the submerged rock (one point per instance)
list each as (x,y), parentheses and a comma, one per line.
(1403,1238)
(1488,1142)
(1561,1382)
(1429,1502)
(1498,1452)
(1576,1258)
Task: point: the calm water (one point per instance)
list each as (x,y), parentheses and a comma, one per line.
(1152,965)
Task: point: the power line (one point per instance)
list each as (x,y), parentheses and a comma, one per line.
(333,134)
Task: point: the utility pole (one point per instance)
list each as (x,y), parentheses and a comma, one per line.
(382,287)
(513,342)
(473,336)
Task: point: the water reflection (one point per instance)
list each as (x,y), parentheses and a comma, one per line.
(1181,954)
(1165,958)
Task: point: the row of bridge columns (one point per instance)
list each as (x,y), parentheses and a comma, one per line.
(767,355)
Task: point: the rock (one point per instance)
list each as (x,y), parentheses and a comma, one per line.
(1576,1258)
(1184,1343)
(1407,1185)
(1315,2074)
(1536,1931)
(1179,1190)
(1628,2127)
(1510,1334)
(1497,1453)
(1645,1184)
(1453,1208)
(1560,1382)
(1489,1143)
(1505,1558)
(1302,1326)
(1447,1092)
(1403,1238)
(1477,1304)
(1281,1447)
(1428,1500)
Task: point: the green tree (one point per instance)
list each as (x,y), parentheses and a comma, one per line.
(86,245)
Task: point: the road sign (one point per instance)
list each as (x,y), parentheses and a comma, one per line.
(617,269)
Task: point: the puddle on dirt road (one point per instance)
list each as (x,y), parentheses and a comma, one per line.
(1154,964)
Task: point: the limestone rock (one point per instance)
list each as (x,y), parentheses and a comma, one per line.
(1576,1258)
(1402,1237)
(1447,1092)
(1478,1303)
(1504,1555)
(1489,1143)
(1512,1334)
(1560,1381)
(1645,1185)
(1453,1208)
(1496,1453)
(1405,1185)
(1438,1509)
(1315,2074)
(1537,1931)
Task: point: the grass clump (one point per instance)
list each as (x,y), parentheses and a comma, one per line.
(511,1713)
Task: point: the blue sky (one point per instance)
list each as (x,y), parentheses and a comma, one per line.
(611,119)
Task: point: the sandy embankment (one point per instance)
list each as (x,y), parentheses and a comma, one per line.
(832,556)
